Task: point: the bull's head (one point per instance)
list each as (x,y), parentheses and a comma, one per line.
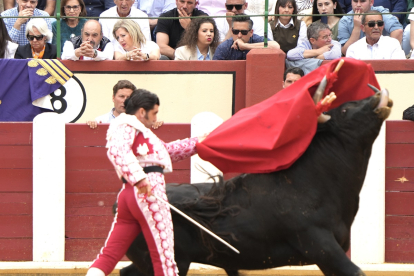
(380,103)
(359,120)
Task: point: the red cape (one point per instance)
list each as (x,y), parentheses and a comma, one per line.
(273,134)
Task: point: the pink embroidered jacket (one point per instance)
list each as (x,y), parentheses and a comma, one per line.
(132,146)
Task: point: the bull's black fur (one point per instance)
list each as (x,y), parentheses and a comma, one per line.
(298,216)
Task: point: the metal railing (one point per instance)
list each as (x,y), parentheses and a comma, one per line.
(265,15)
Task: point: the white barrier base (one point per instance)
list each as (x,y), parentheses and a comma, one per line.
(60,268)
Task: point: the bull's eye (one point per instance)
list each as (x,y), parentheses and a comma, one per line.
(344,111)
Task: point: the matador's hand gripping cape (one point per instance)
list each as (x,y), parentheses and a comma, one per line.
(273,134)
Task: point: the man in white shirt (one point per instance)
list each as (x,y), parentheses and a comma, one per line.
(121,91)
(124,9)
(90,45)
(237,7)
(374,45)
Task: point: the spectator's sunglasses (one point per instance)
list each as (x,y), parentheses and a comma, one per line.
(372,23)
(32,37)
(236,32)
(230,7)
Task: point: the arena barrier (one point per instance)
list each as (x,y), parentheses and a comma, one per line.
(58,188)
(381,233)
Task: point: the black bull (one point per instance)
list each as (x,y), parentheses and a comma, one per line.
(298,216)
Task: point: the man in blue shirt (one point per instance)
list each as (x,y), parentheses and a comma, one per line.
(16,27)
(242,41)
(349,30)
(320,44)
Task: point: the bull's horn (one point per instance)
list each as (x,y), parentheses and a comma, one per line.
(323,118)
(321,88)
(384,99)
(319,91)
(384,96)
(376,90)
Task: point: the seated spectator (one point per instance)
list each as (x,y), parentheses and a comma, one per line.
(38,34)
(69,27)
(90,45)
(123,9)
(320,44)
(408,114)
(96,7)
(408,40)
(303,6)
(349,30)
(243,40)
(258,7)
(212,7)
(199,41)
(16,27)
(374,45)
(328,7)
(121,91)
(169,31)
(43,5)
(291,76)
(132,44)
(287,30)
(7,47)
(391,5)
(154,8)
(238,7)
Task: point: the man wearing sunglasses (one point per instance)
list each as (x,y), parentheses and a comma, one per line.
(374,45)
(238,7)
(16,27)
(242,41)
(349,30)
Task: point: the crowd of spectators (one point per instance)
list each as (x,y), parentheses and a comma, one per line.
(328,35)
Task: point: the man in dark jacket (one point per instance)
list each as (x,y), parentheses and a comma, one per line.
(90,45)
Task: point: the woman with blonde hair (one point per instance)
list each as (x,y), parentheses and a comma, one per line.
(38,35)
(199,40)
(132,44)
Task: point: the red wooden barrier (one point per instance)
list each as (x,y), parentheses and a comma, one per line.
(16,192)
(92,185)
(399,195)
